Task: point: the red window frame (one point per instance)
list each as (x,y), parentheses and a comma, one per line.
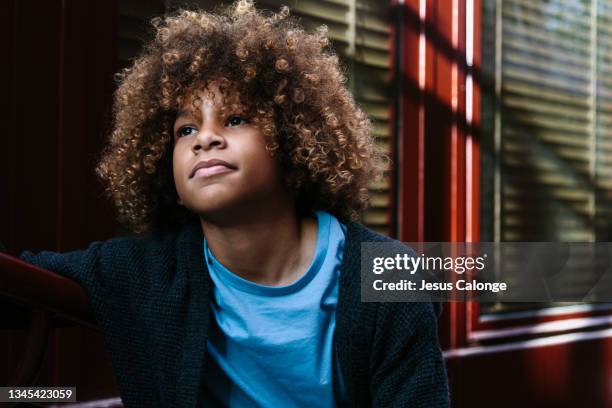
(437,155)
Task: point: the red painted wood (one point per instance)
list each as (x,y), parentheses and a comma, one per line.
(411,144)
(574,374)
(473,193)
(472,309)
(37,288)
(445,147)
(431,176)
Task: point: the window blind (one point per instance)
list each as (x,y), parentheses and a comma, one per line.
(553,174)
(547,166)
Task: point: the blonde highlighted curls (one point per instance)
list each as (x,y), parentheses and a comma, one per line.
(290,82)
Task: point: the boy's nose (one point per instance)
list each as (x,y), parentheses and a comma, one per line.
(208,138)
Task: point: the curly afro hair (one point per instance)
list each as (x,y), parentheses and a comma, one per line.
(293,86)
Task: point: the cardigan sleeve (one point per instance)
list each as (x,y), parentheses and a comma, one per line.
(407,364)
(110,272)
(77,265)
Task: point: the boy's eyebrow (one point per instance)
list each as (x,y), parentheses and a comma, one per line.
(194,113)
(183,112)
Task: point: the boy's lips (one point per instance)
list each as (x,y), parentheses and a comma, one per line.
(207,168)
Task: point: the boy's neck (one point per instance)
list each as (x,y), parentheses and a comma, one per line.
(272,246)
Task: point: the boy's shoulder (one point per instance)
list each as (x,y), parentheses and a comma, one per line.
(358,234)
(362,233)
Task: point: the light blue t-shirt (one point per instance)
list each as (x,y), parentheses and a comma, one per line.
(271,346)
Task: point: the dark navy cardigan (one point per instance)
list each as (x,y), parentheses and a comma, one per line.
(150,296)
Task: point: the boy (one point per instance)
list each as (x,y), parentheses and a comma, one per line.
(242,160)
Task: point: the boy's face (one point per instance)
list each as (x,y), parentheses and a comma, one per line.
(220,163)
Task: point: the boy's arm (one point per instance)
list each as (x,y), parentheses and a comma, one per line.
(408,367)
(107,270)
(79,266)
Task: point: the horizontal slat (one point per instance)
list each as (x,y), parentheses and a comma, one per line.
(372,93)
(604,160)
(549,68)
(538,188)
(551,137)
(544,81)
(581,115)
(603,27)
(378,111)
(566,161)
(381,129)
(533,122)
(569,26)
(552,49)
(525,150)
(569,236)
(380,200)
(545,95)
(373,41)
(374,7)
(324,10)
(371,57)
(377,218)
(380,185)
(554,208)
(604,151)
(517,163)
(604,95)
(604,82)
(555,7)
(603,110)
(517,179)
(372,23)
(335,31)
(524,202)
(519,221)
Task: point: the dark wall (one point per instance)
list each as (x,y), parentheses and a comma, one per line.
(58,65)
(58,62)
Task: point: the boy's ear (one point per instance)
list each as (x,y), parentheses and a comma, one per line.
(179,201)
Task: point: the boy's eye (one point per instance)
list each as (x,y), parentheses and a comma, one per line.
(237,120)
(186,131)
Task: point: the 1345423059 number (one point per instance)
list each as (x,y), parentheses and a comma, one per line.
(37,394)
